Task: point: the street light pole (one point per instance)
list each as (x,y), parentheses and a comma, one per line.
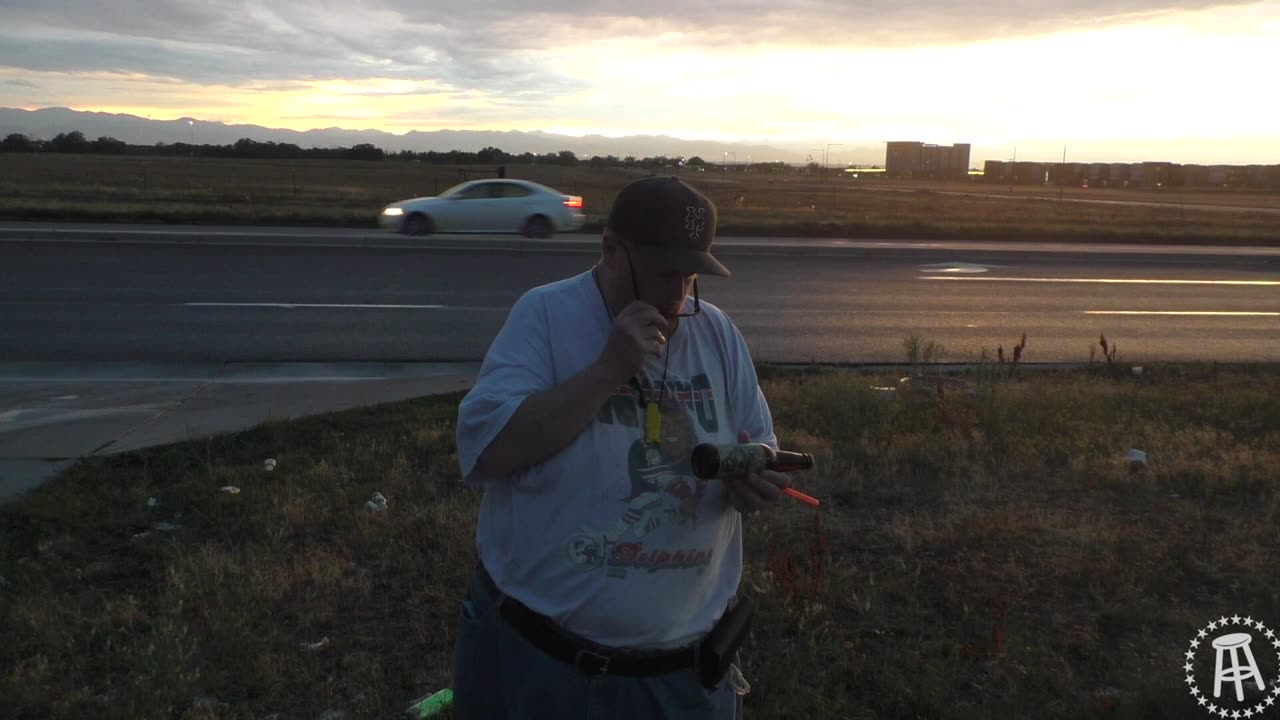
(828,150)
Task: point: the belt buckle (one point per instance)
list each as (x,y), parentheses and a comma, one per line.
(603,661)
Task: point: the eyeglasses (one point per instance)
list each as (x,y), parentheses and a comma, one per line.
(635,287)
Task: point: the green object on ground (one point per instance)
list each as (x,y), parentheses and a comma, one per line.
(431,704)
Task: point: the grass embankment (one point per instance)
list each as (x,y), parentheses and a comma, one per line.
(976,555)
(351,193)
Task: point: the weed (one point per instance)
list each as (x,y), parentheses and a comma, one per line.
(920,350)
(975,555)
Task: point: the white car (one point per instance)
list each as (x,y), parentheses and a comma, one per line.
(488,206)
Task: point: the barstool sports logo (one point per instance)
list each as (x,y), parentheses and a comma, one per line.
(1228,680)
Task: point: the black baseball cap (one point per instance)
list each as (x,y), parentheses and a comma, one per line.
(668,221)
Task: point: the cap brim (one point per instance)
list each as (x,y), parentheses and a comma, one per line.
(684,260)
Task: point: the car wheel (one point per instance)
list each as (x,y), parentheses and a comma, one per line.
(418,224)
(537,227)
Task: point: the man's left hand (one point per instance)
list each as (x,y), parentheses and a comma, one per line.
(756,491)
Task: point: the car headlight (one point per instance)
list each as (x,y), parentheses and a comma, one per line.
(393,211)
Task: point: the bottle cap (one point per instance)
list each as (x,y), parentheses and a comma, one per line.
(706,461)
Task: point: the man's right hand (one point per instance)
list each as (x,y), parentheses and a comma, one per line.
(638,331)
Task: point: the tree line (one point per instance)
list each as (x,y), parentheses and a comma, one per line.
(76,143)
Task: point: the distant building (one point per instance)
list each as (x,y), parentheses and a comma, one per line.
(1150,175)
(921,161)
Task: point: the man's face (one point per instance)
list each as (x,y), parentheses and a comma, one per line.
(665,290)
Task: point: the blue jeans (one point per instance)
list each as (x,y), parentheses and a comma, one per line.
(498,675)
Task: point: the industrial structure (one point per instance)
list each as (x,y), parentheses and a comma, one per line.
(1139,174)
(911,160)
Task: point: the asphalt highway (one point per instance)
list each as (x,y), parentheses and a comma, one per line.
(89,293)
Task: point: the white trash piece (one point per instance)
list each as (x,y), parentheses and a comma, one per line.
(269,464)
(885,393)
(1137,457)
(1137,371)
(316,646)
(378,503)
(231,489)
(152,503)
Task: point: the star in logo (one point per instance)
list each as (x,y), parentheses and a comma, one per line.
(1202,700)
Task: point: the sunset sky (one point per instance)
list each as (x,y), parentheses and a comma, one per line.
(1117,80)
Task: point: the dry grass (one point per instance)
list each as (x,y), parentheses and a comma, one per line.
(88,187)
(1226,197)
(976,555)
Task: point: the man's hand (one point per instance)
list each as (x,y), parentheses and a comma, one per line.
(756,491)
(638,331)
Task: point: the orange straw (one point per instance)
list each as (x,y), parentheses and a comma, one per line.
(801,496)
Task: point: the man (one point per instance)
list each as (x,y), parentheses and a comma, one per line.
(604,562)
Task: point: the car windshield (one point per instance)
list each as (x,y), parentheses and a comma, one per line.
(455,189)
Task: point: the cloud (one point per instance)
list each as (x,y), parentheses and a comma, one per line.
(21,83)
(244,43)
(497,47)
(842,69)
(405,92)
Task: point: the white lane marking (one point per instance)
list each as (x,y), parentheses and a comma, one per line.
(290,306)
(1225,313)
(23,418)
(584,247)
(198,232)
(214,381)
(958,267)
(590,241)
(1108,281)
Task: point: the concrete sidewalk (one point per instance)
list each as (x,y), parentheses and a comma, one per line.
(54,414)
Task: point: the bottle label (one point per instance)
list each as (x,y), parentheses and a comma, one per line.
(741,460)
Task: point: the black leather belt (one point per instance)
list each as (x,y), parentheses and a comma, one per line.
(543,633)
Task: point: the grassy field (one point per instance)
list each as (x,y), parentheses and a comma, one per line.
(1222,197)
(350,193)
(982,550)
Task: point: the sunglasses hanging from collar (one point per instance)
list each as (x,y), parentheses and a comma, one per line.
(652,410)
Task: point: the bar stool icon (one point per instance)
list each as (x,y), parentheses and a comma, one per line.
(1237,673)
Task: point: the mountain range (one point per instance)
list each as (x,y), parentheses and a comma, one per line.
(45,123)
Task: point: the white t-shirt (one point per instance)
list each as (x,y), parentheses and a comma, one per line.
(615,540)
